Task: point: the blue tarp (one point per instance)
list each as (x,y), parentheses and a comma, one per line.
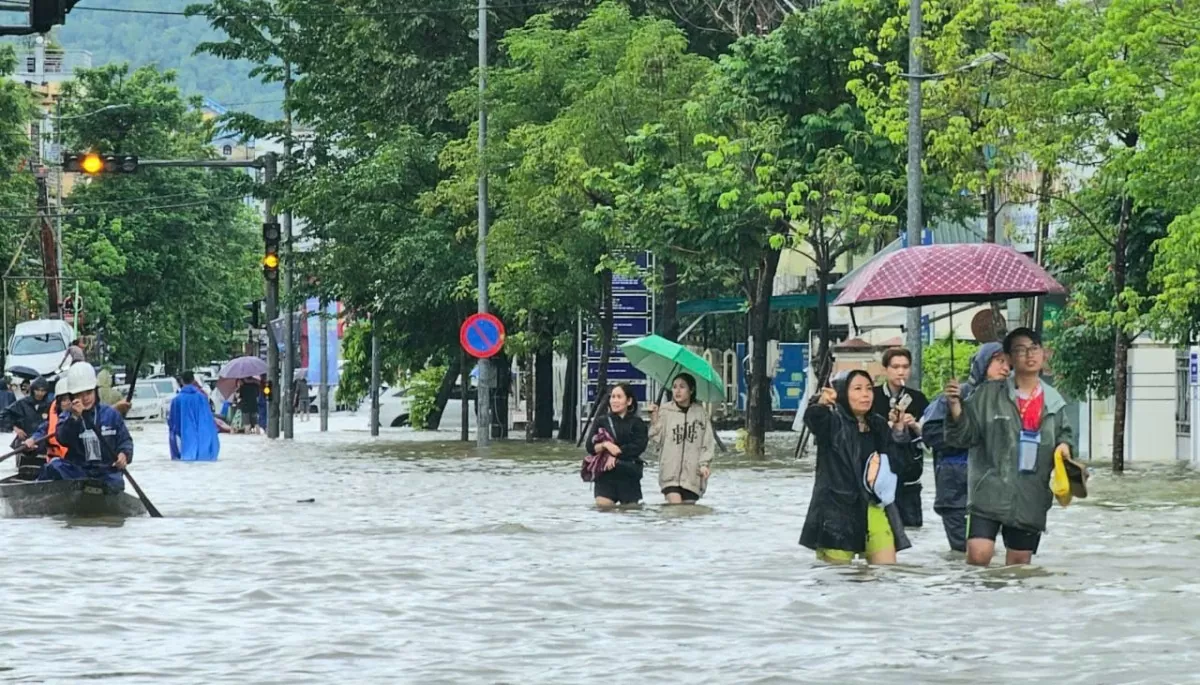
(193,432)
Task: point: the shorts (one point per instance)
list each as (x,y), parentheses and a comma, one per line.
(249,420)
(879,538)
(687,495)
(619,490)
(1016,539)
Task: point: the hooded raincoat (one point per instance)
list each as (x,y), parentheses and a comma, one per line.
(683,440)
(192,430)
(837,512)
(990,427)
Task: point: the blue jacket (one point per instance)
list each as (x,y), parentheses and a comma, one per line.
(192,433)
(114,436)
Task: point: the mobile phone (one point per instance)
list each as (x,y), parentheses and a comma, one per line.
(904,402)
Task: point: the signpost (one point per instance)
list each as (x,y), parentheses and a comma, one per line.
(482,336)
(633,317)
(1194,382)
(789,376)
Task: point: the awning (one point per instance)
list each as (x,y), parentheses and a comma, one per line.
(739,305)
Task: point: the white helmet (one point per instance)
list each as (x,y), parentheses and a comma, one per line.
(62,387)
(81,377)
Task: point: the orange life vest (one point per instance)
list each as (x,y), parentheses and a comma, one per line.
(53,448)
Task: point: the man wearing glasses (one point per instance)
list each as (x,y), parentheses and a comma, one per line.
(1011,428)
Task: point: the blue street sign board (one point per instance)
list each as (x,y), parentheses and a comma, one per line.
(788,381)
(633,307)
(635,304)
(1194,368)
(631,326)
(482,335)
(926,330)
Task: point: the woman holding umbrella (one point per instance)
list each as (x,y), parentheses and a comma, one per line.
(682,437)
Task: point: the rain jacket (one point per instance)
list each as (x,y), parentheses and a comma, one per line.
(683,440)
(908,495)
(950,463)
(27,413)
(192,432)
(629,433)
(837,512)
(7,398)
(990,426)
(109,426)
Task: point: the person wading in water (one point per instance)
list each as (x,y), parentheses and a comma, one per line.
(851,513)
(621,482)
(682,437)
(902,406)
(1012,428)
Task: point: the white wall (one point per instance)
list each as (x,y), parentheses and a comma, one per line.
(1150,435)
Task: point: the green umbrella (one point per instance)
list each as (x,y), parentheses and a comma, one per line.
(662,360)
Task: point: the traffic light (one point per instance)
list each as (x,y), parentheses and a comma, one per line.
(46,14)
(270,260)
(94,163)
(253,308)
(268,388)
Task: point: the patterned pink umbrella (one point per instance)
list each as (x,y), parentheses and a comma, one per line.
(938,274)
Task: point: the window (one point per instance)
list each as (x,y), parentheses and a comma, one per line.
(45,343)
(165,386)
(227,150)
(1183,397)
(144,392)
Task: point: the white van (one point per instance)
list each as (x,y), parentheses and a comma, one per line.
(40,345)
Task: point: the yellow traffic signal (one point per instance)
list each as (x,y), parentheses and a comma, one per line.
(271,261)
(92,164)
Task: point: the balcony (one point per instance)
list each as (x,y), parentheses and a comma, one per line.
(46,66)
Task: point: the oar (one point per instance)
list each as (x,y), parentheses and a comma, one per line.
(23,448)
(137,366)
(150,508)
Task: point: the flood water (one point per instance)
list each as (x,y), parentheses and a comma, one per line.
(422,562)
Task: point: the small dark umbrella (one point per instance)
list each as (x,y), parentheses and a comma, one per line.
(24,372)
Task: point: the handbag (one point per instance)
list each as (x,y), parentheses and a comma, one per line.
(593,464)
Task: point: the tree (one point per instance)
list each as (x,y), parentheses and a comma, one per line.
(160,247)
(17,193)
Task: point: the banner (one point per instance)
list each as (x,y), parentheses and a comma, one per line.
(313,308)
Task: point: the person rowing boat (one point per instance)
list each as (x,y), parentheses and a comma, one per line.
(97,442)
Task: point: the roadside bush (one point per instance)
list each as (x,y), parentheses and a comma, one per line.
(423,389)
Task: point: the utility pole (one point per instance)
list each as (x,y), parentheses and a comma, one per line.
(272,304)
(324,347)
(483,401)
(182,342)
(915,144)
(289,356)
(49,249)
(375,376)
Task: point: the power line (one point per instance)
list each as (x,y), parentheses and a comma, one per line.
(50,215)
(275,15)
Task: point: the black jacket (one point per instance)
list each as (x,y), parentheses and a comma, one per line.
(28,414)
(7,398)
(631,435)
(837,512)
(908,495)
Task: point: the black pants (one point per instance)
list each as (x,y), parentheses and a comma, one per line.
(950,500)
(908,502)
(621,490)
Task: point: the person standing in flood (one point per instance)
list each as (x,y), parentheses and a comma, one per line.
(902,406)
(621,481)
(1011,428)
(852,510)
(682,437)
(950,463)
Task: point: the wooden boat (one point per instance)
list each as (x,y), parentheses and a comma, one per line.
(70,498)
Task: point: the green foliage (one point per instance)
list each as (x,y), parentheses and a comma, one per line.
(936,368)
(354,384)
(423,389)
(163,245)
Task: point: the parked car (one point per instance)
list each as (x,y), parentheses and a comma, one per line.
(167,388)
(146,405)
(40,345)
(394,405)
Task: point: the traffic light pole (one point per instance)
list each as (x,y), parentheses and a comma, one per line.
(289,356)
(272,305)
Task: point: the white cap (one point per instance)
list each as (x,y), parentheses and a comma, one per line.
(81,377)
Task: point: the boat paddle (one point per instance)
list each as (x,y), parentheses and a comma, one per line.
(150,508)
(23,448)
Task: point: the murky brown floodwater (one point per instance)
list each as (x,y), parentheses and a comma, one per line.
(422,563)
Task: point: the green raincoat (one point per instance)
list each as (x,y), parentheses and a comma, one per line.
(990,427)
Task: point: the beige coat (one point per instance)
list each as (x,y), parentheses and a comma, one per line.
(684,443)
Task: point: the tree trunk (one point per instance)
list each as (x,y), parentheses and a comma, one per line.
(439,406)
(669,325)
(823,367)
(502,363)
(543,394)
(993,214)
(758,401)
(1120,338)
(606,338)
(568,422)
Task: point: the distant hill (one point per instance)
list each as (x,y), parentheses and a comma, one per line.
(168,42)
